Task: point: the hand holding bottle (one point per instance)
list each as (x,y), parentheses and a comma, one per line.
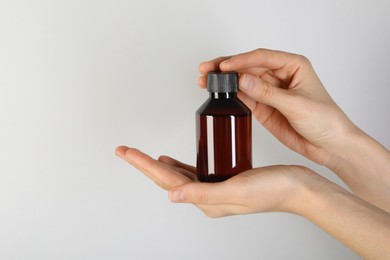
(286,96)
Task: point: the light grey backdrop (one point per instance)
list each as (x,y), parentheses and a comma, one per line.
(78,78)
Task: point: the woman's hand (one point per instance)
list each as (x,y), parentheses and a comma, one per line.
(356,223)
(273,188)
(286,96)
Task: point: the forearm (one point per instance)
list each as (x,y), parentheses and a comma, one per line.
(364,165)
(359,225)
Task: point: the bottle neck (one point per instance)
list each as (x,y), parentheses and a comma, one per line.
(223,95)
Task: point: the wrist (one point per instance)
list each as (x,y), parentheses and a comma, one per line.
(364,165)
(317,195)
(306,188)
(333,137)
(358,153)
(348,146)
(343,148)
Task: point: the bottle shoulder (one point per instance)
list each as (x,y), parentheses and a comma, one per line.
(223,107)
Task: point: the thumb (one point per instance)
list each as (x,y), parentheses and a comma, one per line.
(264,92)
(200,193)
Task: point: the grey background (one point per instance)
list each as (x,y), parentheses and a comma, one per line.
(78,78)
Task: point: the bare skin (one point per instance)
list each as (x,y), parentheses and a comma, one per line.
(286,96)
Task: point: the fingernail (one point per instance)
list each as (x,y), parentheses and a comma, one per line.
(246,82)
(176,196)
(121,151)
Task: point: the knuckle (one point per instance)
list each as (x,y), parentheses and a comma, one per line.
(201,198)
(265,92)
(303,60)
(259,50)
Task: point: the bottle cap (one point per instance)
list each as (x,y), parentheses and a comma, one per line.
(222,82)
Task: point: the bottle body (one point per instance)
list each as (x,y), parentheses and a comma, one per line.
(224,138)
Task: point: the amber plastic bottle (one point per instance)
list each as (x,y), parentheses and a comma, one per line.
(223,130)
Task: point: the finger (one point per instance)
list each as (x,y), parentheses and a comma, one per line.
(173,162)
(264,92)
(163,175)
(206,67)
(255,71)
(185,169)
(270,77)
(204,193)
(263,58)
(247,100)
(202,81)
(121,151)
(199,194)
(260,111)
(212,65)
(186,173)
(255,106)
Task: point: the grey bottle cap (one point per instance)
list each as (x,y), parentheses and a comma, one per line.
(222,82)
